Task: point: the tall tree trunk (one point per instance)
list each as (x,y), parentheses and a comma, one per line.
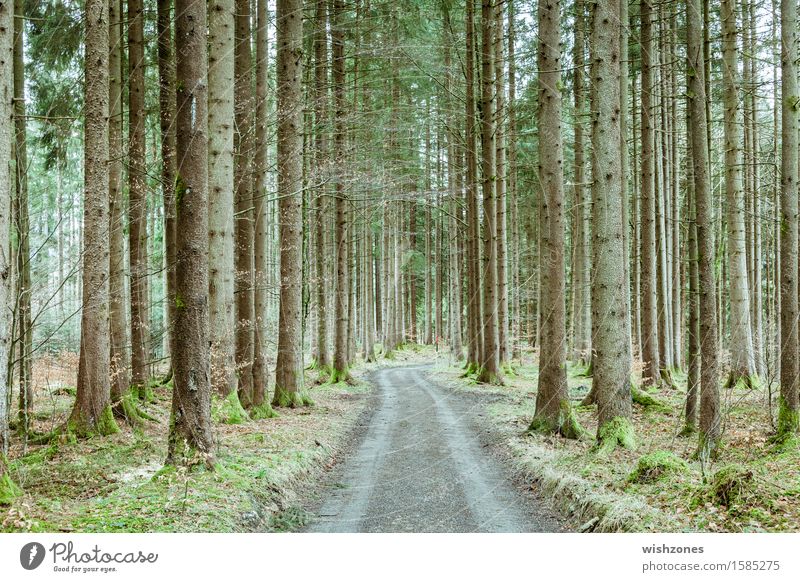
(649,316)
(91,413)
(243,184)
(221,197)
(7,488)
(553,409)
(341,361)
(321,357)
(25,324)
(260,404)
(190,426)
(118,306)
(166,100)
(137,198)
(709,343)
(742,366)
(581,268)
(789,405)
(490,370)
(289,371)
(611,341)
(516,314)
(501,186)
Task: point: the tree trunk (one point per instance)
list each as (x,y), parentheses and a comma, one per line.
(24,291)
(289,371)
(553,409)
(190,425)
(789,404)
(243,184)
(611,341)
(7,488)
(137,198)
(91,413)
(221,199)
(118,307)
(490,370)
(742,366)
(166,99)
(649,317)
(501,186)
(321,357)
(709,344)
(260,404)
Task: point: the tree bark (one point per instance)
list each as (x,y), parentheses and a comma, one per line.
(553,408)
(742,366)
(221,197)
(698,134)
(137,198)
(190,438)
(789,403)
(611,341)
(490,370)
(288,371)
(91,413)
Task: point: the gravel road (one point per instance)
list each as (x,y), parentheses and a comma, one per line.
(420,465)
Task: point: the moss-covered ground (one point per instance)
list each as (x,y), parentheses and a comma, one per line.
(754,484)
(118,484)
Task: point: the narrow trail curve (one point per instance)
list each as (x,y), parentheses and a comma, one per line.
(421,467)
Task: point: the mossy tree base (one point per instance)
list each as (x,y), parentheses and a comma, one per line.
(707,447)
(565,424)
(263,410)
(8,489)
(742,380)
(104,425)
(788,422)
(229,410)
(485,376)
(285,399)
(616,432)
(470,369)
(337,376)
(127,411)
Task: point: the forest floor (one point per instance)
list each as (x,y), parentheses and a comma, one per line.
(658,486)
(118,483)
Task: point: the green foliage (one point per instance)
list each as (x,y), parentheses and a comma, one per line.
(656,465)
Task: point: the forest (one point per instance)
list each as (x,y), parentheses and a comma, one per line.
(235,231)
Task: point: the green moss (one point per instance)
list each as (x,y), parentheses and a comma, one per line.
(104,425)
(788,421)
(229,410)
(742,381)
(128,410)
(290,399)
(337,376)
(617,431)
(566,424)
(179,302)
(653,466)
(731,484)
(263,410)
(484,376)
(642,398)
(8,489)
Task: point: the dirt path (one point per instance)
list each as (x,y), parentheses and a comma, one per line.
(420,466)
